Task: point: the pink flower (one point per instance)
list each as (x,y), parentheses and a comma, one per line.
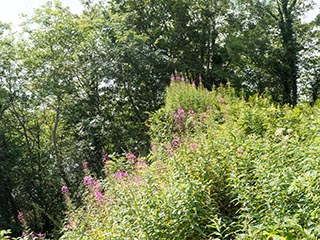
(175,143)
(131,157)
(98,195)
(193,146)
(141,165)
(172,77)
(168,150)
(120,175)
(137,179)
(96,184)
(177,117)
(153,147)
(181,113)
(191,112)
(64,189)
(105,158)
(203,115)
(40,235)
(162,167)
(87,181)
(85,165)
(69,226)
(20,216)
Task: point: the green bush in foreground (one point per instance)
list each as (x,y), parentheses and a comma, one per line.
(220,168)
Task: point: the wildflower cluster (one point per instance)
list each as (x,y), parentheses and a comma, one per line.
(94,186)
(26,233)
(32,235)
(177,76)
(64,189)
(131,157)
(121,174)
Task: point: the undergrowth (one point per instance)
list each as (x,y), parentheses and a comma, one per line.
(220,167)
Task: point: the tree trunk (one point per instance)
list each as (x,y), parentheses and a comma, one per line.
(289,76)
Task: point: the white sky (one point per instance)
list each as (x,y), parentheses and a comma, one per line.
(311,14)
(10,10)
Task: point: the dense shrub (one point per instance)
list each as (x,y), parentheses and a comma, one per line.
(220,167)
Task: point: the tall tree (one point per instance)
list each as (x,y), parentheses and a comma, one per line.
(186,33)
(270,34)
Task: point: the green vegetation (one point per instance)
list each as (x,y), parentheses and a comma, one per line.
(221,168)
(85,91)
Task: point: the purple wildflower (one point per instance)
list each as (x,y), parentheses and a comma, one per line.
(172,77)
(137,179)
(64,189)
(69,226)
(175,143)
(193,146)
(40,235)
(191,112)
(131,157)
(105,157)
(181,113)
(85,165)
(153,147)
(87,181)
(20,216)
(118,175)
(177,117)
(203,115)
(121,174)
(162,167)
(98,195)
(96,184)
(141,165)
(168,150)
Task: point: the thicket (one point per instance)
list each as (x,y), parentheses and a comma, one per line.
(220,167)
(76,88)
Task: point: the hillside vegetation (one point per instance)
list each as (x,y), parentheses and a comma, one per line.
(77,86)
(220,167)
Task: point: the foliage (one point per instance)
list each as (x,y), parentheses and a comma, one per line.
(226,169)
(77,87)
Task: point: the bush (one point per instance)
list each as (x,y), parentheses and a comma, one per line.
(220,168)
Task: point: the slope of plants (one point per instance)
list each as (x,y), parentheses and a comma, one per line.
(220,167)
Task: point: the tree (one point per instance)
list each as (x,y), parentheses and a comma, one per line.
(186,34)
(271,37)
(309,77)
